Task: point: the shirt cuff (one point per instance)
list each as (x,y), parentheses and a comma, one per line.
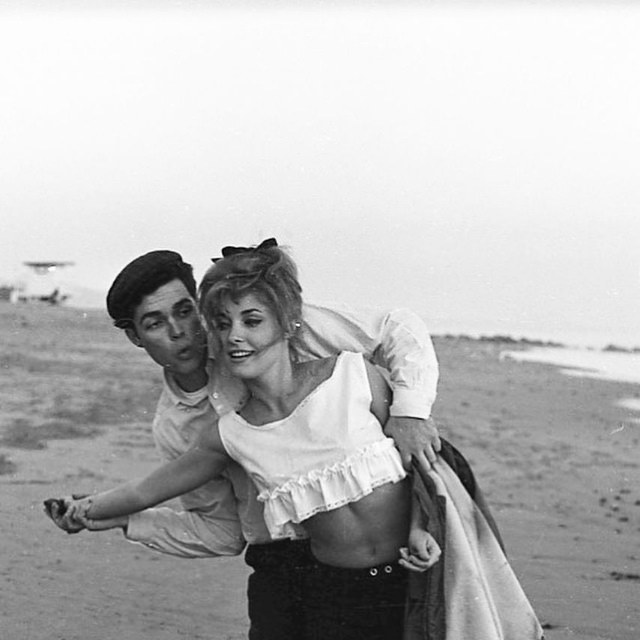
(184,534)
(409,404)
(140,528)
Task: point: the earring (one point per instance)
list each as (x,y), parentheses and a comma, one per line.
(290,333)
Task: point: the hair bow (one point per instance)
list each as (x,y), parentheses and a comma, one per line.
(232,251)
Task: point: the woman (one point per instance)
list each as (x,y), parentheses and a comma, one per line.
(310,437)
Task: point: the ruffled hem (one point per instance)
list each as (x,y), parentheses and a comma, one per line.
(331,487)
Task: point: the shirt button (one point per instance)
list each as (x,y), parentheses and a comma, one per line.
(373,572)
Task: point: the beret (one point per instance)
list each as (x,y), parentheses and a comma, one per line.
(139,278)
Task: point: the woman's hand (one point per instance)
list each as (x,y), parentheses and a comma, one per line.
(58,510)
(421,553)
(69,514)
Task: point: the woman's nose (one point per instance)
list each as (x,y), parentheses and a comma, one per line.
(235,338)
(236,335)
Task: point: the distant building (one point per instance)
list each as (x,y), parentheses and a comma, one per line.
(41,284)
(6,293)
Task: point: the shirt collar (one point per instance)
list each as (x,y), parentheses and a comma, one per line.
(178,395)
(225,392)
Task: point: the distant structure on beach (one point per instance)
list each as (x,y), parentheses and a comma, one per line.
(39,285)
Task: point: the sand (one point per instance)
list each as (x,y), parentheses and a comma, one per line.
(557,458)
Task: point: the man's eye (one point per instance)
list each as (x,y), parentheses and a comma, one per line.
(186,311)
(150,326)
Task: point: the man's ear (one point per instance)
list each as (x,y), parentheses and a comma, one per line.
(132,334)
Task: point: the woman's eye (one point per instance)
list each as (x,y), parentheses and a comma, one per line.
(253,322)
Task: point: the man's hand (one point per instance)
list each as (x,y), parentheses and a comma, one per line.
(121,522)
(414,438)
(78,510)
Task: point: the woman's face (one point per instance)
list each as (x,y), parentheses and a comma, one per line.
(251,338)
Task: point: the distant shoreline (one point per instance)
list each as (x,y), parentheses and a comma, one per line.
(499,338)
(505,339)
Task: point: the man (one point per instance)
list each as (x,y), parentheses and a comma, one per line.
(153,300)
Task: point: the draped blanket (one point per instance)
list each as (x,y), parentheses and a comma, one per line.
(472,593)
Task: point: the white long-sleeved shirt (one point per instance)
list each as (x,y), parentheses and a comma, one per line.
(223,515)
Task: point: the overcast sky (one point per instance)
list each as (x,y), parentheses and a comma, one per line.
(478,162)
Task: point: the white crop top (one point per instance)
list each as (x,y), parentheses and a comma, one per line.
(329,452)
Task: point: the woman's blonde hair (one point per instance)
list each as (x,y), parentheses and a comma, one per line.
(266,271)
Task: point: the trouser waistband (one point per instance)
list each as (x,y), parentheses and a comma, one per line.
(386,569)
(282,554)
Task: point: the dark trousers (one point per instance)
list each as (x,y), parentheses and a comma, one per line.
(292,596)
(355,604)
(276,589)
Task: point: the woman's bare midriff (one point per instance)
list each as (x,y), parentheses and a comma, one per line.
(363,533)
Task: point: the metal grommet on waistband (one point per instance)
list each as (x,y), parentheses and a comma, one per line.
(373,572)
(388,568)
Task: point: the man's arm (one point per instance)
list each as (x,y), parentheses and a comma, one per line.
(186,534)
(209,524)
(400,343)
(192,469)
(208,531)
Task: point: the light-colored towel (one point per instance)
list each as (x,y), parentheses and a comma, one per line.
(483,598)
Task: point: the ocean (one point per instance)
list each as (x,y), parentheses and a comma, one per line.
(612,354)
(577,336)
(603,365)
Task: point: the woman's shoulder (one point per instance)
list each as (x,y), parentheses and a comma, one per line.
(315,372)
(323,366)
(319,369)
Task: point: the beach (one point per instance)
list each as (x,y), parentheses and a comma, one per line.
(555,454)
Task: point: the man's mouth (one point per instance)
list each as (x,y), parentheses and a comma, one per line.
(186,353)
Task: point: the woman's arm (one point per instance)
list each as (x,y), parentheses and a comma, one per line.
(422,550)
(186,473)
(195,467)
(380,393)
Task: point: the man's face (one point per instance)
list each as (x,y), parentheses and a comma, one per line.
(168,327)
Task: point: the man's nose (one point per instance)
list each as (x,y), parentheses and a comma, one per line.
(176,329)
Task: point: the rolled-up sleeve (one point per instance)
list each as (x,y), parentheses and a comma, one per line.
(186,534)
(208,524)
(406,352)
(398,341)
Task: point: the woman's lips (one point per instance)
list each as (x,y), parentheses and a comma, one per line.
(239,355)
